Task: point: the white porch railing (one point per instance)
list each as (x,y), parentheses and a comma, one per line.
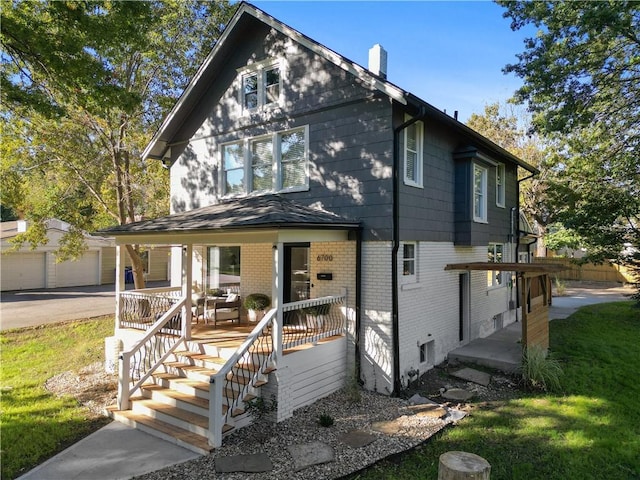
(140,309)
(309,321)
(137,364)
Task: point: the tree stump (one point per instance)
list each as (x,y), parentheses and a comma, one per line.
(463,466)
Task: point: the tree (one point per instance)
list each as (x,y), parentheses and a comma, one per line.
(85,84)
(582,83)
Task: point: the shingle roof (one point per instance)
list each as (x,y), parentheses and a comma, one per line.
(267,211)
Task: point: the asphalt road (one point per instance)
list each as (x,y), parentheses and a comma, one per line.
(28,308)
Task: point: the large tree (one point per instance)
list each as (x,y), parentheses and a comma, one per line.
(84,86)
(581,77)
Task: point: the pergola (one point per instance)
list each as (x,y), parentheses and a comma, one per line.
(535,295)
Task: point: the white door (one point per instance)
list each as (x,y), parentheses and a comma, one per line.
(83,271)
(22,271)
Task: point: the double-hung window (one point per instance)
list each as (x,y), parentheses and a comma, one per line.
(495,255)
(409,261)
(500,173)
(479,193)
(277,162)
(261,85)
(413,139)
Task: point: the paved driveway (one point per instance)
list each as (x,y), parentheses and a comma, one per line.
(38,307)
(579,294)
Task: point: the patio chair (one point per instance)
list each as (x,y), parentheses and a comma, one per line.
(223,309)
(197,306)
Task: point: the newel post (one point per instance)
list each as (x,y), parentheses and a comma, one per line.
(124,366)
(216,419)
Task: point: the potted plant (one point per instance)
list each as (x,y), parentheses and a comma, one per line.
(256,303)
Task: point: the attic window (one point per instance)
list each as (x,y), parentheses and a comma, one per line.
(261,85)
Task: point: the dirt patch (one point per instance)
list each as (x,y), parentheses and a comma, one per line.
(91,386)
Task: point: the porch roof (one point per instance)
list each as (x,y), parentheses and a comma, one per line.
(527,269)
(259,212)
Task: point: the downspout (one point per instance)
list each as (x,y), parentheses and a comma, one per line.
(358,368)
(395,240)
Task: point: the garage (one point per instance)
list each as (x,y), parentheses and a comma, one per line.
(84,271)
(23,271)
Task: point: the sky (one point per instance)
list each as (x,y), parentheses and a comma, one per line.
(448,53)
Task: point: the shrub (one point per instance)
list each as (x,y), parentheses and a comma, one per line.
(259,408)
(325,420)
(539,370)
(257,301)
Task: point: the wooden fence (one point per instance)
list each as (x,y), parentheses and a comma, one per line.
(589,271)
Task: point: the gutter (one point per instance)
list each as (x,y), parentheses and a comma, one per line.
(395,240)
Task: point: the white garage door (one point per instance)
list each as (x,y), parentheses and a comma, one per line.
(22,271)
(83,271)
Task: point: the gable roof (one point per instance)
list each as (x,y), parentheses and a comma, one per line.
(266,211)
(160,143)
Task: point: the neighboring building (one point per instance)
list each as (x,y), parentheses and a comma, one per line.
(316,175)
(28,269)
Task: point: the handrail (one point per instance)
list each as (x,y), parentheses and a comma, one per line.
(309,321)
(263,354)
(148,354)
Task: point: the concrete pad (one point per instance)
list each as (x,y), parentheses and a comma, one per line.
(309,454)
(473,375)
(113,452)
(258,462)
(458,394)
(358,438)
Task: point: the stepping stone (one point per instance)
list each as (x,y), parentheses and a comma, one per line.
(418,399)
(389,427)
(456,415)
(309,454)
(358,438)
(457,394)
(472,375)
(428,410)
(255,463)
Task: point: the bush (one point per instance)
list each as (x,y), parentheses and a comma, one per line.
(325,420)
(539,370)
(257,301)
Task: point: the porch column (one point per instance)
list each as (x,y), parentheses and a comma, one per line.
(187,279)
(120,285)
(277,294)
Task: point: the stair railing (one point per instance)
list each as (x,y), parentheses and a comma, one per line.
(239,375)
(137,364)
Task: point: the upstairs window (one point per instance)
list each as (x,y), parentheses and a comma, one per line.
(413,154)
(500,180)
(278,162)
(261,85)
(495,255)
(479,193)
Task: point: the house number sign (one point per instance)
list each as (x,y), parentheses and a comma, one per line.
(325,258)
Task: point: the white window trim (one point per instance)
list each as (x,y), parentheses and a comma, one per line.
(482,218)
(500,186)
(276,165)
(413,278)
(419,155)
(496,273)
(260,68)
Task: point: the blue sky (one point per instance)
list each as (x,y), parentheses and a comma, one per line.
(449,53)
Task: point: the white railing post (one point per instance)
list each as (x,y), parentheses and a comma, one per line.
(124,366)
(120,285)
(216,419)
(187,279)
(278,299)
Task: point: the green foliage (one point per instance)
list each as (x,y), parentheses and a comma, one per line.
(560,286)
(539,370)
(259,408)
(580,80)
(257,301)
(325,420)
(36,424)
(317,309)
(559,237)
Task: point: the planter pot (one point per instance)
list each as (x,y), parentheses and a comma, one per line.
(255,315)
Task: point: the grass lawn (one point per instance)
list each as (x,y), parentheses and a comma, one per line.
(34,423)
(590,430)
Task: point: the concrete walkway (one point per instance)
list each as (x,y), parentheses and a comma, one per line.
(503,351)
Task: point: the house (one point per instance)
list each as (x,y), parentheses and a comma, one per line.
(28,269)
(302,175)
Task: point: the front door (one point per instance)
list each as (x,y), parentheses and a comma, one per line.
(297,280)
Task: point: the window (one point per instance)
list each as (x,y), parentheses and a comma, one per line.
(495,255)
(479,193)
(277,162)
(413,154)
(261,85)
(500,173)
(409,260)
(223,267)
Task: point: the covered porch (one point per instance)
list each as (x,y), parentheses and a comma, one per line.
(181,366)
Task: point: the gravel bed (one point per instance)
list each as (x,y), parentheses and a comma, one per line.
(303,427)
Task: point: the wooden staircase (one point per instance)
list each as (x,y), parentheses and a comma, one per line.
(174,403)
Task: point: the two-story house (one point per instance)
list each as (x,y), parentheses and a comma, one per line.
(302,175)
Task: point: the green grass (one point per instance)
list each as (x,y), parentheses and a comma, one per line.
(34,423)
(589,431)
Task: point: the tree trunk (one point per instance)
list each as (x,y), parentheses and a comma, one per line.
(463,466)
(137,266)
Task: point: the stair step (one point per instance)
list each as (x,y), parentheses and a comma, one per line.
(171,433)
(191,371)
(182,384)
(178,399)
(193,422)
